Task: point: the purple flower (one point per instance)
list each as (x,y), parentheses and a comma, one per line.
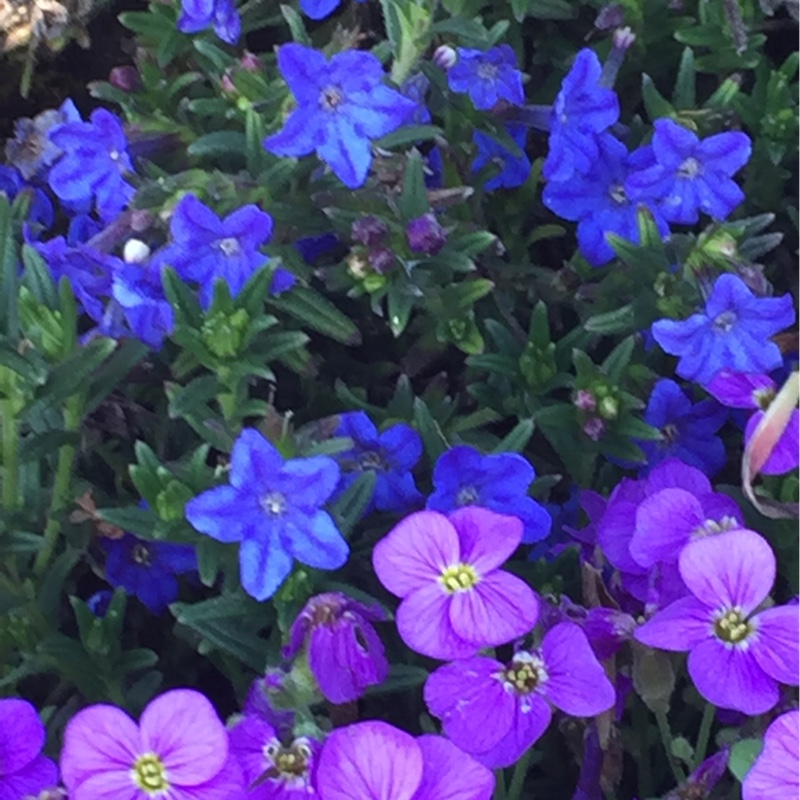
(273,770)
(23,770)
(178,750)
(197,15)
(344,652)
(514,167)
(265,700)
(757,391)
(774,776)
(496,711)
(487,76)
(596,199)
(583,109)
(687,430)
(147,569)
(391,455)
(702,781)
(464,477)
(732,332)
(425,234)
(342,105)
(455,599)
(690,176)
(377,761)
(95,157)
(206,249)
(274,509)
(737,657)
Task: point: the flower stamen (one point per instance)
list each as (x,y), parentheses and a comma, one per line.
(459,578)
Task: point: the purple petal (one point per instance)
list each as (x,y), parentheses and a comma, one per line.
(738,389)
(776,645)
(672,473)
(369,760)
(317,543)
(183,729)
(227,784)
(775,774)
(250,225)
(614,534)
(487,539)
(680,626)
(416,552)
(248,738)
(468,697)
(672,143)
(108,785)
(346,152)
(423,622)
(499,608)
(576,683)
(733,569)
(304,69)
(22,735)
(34,777)
(450,774)
(729,677)
(786,454)
(299,136)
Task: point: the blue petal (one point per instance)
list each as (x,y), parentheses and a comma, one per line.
(194,224)
(255,462)
(176,558)
(299,136)
(315,541)
(319,9)
(347,153)
(305,70)
(263,564)
(308,482)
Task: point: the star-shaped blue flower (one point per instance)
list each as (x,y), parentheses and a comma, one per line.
(689,175)
(342,105)
(197,15)
(487,76)
(273,508)
(514,168)
(733,332)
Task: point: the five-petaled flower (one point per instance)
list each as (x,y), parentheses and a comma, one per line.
(455,599)
(274,509)
(487,76)
(342,105)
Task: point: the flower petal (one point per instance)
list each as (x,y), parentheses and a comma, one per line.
(254,461)
(531,719)
(315,541)
(487,539)
(22,734)
(36,776)
(776,645)
(680,626)
(218,513)
(664,523)
(264,565)
(114,785)
(775,774)
(450,774)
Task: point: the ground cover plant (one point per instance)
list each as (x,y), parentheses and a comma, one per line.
(399,402)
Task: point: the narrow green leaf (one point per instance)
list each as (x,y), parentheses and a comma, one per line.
(432,436)
(217,143)
(38,278)
(654,102)
(408,134)
(620,320)
(352,503)
(413,200)
(296,25)
(516,440)
(618,359)
(684,95)
(141,521)
(317,313)
(9,291)
(39,445)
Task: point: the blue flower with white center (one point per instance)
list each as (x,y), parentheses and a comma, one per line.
(514,167)
(274,509)
(342,105)
(733,332)
(499,482)
(487,76)
(689,175)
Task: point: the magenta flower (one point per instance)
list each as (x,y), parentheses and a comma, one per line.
(272,770)
(375,760)
(23,770)
(455,600)
(344,652)
(179,750)
(776,773)
(496,711)
(736,657)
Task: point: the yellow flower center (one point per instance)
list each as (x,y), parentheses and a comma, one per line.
(459,578)
(525,673)
(732,627)
(149,774)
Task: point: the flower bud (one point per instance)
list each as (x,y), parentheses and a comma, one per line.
(126,79)
(425,234)
(623,38)
(358,265)
(584,400)
(382,259)
(610,16)
(609,408)
(369,231)
(445,56)
(250,62)
(135,252)
(594,428)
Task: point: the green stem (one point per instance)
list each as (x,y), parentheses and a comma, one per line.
(500,785)
(703,735)
(10,446)
(666,740)
(66,455)
(518,776)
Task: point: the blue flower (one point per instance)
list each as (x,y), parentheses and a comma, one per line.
(342,105)
(514,169)
(82,228)
(487,76)
(688,430)
(147,569)
(689,175)
(415,88)
(95,157)
(197,15)
(499,482)
(98,603)
(206,249)
(319,9)
(40,211)
(597,200)
(582,110)
(274,509)
(312,248)
(138,290)
(391,455)
(733,332)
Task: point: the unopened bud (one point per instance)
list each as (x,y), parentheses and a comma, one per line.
(369,231)
(425,234)
(126,79)
(358,265)
(135,252)
(382,259)
(445,56)
(624,38)
(584,400)
(594,428)
(609,408)
(250,62)
(610,16)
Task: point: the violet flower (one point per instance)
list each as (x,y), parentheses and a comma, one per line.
(23,770)
(178,750)
(455,599)
(345,653)
(776,772)
(377,761)
(495,712)
(737,656)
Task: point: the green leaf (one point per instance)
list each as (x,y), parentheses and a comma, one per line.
(193,397)
(684,95)
(16,543)
(113,371)
(296,25)
(413,200)
(636,428)
(38,278)
(32,371)
(408,134)
(348,508)
(618,359)
(209,555)
(654,102)
(317,313)
(181,298)
(743,755)
(620,320)
(516,440)
(400,304)
(219,143)
(391,21)
(39,445)
(432,436)
(52,583)
(551,9)
(141,521)
(401,678)
(9,280)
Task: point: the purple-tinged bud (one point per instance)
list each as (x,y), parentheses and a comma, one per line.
(594,428)
(369,231)
(445,56)
(126,79)
(584,400)
(250,62)
(266,700)
(382,260)
(622,41)
(624,38)
(227,84)
(425,234)
(610,16)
